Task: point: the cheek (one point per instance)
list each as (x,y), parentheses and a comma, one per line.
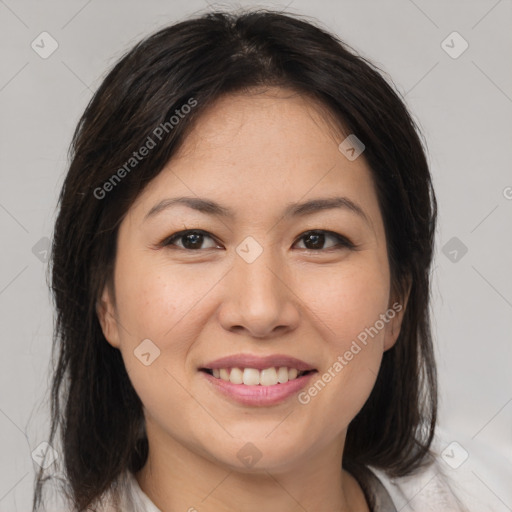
(154,304)
(157,305)
(348,309)
(154,300)
(349,301)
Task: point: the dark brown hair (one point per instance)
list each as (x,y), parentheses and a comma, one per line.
(94,407)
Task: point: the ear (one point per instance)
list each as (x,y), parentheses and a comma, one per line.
(106,311)
(396,311)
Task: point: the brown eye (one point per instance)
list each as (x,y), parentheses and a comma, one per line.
(315,240)
(190,240)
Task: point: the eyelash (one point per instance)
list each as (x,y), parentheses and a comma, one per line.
(342,241)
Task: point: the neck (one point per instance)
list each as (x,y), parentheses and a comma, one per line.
(177,478)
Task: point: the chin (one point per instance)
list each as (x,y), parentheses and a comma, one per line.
(258,454)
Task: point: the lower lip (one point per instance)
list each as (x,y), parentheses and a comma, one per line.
(259,395)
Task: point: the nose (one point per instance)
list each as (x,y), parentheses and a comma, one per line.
(259,299)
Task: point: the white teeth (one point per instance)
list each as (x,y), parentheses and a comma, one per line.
(282,375)
(236,376)
(253,377)
(268,377)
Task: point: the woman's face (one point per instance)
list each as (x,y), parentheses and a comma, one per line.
(254,283)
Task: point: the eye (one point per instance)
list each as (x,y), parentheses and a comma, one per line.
(192,239)
(315,239)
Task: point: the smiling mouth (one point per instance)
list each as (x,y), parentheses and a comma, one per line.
(252,377)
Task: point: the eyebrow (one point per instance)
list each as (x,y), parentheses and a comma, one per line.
(292,209)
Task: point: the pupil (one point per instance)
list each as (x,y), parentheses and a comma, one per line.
(194,238)
(317,239)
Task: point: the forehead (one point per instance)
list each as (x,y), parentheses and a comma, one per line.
(257,116)
(270,146)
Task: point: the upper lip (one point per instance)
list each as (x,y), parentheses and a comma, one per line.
(258,362)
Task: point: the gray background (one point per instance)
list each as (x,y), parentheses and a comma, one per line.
(464,107)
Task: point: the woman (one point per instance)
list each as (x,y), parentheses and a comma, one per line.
(240,269)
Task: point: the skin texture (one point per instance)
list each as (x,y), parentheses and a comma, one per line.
(254,153)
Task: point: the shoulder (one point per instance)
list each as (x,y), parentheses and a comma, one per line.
(437,487)
(131,498)
(427,490)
